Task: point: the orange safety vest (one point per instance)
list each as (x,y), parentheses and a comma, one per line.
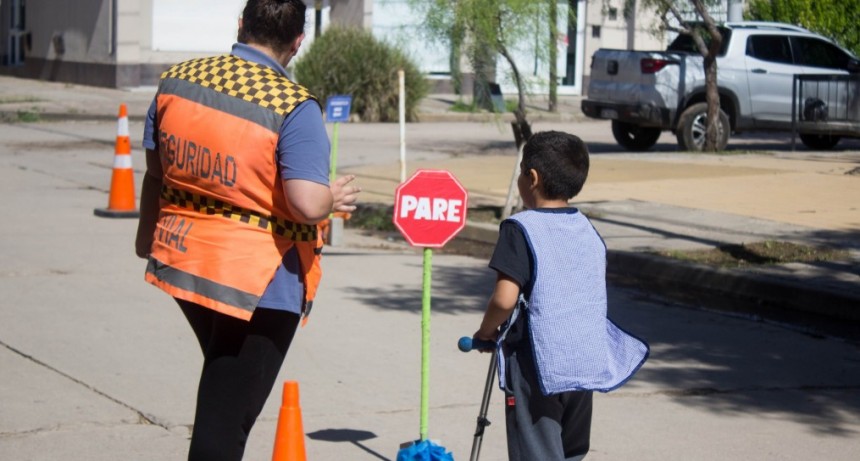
(224,224)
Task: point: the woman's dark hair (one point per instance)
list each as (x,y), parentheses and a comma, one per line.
(273,23)
(561,160)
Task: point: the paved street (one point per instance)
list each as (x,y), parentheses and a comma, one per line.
(97,365)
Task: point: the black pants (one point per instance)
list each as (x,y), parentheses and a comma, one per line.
(540,427)
(241,361)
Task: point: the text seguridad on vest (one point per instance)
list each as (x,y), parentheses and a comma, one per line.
(197,159)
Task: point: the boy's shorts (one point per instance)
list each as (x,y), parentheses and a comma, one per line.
(539,427)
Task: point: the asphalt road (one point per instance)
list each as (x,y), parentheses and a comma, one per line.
(97,365)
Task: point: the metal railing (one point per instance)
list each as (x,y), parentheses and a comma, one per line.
(826,104)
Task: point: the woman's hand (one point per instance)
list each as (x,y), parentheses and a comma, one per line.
(344,195)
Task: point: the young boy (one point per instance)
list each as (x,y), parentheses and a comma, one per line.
(556,343)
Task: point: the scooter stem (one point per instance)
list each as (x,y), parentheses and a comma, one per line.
(483,422)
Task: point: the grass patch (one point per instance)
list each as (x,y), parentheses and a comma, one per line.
(18,99)
(485,214)
(741,152)
(21,116)
(374,217)
(760,253)
(462,107)
(28,116)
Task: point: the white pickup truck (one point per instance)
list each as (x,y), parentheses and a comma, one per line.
(647,92)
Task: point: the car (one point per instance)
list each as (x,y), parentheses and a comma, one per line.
(647,92)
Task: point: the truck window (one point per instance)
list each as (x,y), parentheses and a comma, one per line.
(773,48)
(815,52)
(686,44)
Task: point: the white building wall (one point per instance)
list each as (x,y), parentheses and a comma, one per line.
(175,30)
(75,39)
(125,31)
(70,31)
(206,26)
(354,13)
(396,23)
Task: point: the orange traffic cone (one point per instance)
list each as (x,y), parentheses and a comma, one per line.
(121,202)
(290,436)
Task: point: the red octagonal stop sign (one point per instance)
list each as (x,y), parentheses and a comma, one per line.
(430,208)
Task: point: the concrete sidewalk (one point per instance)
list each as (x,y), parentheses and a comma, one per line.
(65,101)
(99,366)
(476,148)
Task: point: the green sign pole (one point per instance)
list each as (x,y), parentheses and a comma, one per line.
(425,342)
(333,168)
(332,173)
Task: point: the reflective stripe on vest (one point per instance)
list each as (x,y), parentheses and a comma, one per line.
(293,231)
(224,224)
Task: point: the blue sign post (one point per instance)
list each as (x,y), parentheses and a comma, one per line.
(336,111)
(337,108)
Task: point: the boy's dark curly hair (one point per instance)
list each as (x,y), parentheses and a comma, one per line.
(561,160)
(273,23)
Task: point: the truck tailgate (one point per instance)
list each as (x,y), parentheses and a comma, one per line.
(617,77)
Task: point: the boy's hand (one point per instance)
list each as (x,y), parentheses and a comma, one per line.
(490,336)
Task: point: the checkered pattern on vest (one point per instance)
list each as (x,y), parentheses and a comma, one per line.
(576,346)
(246,80)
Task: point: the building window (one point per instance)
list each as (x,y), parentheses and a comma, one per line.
(613,14)
(595,31)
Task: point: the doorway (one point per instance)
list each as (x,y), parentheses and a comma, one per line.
(13,31)
(571,46)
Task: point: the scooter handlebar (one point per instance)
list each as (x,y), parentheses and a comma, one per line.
(467,344)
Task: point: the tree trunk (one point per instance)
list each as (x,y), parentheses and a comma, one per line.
(553,56)
(521,127)
(457,37)
(712,97)
(484,70)
(710,53)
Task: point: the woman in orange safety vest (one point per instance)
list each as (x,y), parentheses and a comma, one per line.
(236,182)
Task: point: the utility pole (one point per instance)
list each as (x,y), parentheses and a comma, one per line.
(553,56)
(736,10)
(317,18)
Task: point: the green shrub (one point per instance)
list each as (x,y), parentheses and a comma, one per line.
(351,61)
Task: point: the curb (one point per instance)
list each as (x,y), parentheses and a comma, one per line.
(785,298)
(431,117)
(7,116)
(423,117)
(748,291)
(12,116)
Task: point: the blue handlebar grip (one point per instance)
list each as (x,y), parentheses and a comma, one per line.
(467,344)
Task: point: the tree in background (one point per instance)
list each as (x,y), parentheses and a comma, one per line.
(481,30)
(675,16)
(352,61)
(835,19)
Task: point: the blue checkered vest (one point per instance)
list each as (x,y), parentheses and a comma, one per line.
(576,347)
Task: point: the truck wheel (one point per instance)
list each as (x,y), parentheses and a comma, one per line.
(692,126)
(819,141)
(634,137)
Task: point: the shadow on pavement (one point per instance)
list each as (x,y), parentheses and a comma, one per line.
(761,369)
(754,141)
(455,290)
(352,436)
(849,239)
